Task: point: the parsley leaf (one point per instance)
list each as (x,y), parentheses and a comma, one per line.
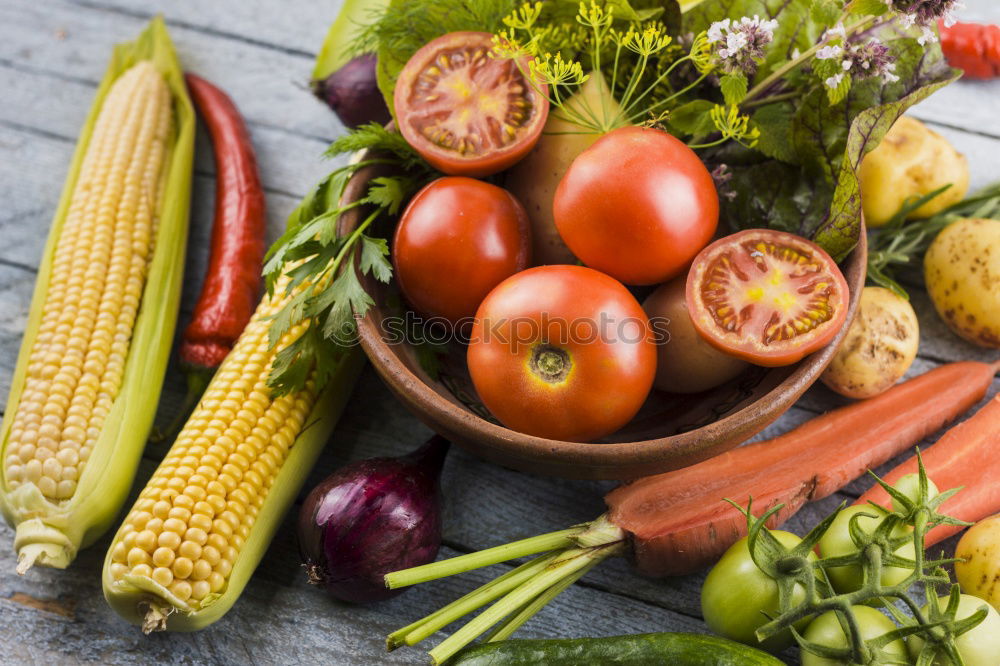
(318,266)
(376,138)
(374,258)
(390,193)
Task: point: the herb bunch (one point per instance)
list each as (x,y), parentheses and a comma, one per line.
(314,262)
(635,54)
(898,243)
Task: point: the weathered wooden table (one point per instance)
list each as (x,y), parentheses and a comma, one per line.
(52,53)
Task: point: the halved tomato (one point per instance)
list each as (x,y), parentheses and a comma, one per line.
(766,296)
(465,112)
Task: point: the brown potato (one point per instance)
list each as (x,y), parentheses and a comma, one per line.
(685,363)
(978,573)
(911,161)
(534,179)
(879,347)
(962,271)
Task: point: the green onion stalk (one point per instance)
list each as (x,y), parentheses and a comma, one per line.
(563,557)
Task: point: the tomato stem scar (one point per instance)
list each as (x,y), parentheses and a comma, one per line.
(550,363)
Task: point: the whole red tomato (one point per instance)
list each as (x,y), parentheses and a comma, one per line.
(637,205)
(457,239)
(562,352)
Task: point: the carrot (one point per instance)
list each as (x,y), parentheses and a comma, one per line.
(967,456)
(678,523)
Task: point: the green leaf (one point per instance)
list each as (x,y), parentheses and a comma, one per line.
(325,195)
(868,7)
(389,192)
(345,299)
(775,123)
(378,139)
(374,258)
(693,118)
(826,11)
(291,367)
(286,317)
(734,88)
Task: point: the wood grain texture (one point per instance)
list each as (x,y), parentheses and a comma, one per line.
(51,55)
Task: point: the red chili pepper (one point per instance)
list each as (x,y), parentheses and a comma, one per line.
(973,47)
(232,283)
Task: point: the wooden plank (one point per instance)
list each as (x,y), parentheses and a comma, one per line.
(300,26)
(289,163)
(75,41)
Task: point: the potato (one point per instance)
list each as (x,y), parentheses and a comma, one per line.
(911,161)
(685,363)
(879,347)
(962,271)
(534,179)
(979,574)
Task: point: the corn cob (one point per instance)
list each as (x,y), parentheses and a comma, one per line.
(199,528)
(102,315)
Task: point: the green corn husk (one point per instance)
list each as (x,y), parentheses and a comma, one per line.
(51,534)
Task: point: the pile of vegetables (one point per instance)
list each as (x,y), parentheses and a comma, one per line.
(549,165)
(616,136)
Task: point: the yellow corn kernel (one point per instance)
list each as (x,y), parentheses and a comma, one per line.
(218,472)
(77,362)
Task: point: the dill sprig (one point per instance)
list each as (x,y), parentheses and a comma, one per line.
(631,49)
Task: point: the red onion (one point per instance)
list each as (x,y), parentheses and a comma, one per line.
(372,517)
(352,92)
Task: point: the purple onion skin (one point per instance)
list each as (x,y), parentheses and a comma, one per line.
(352,92)
(370,518)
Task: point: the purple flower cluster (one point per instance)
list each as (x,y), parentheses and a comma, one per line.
(869,59)
(926,12)
(862,60)
(739,45)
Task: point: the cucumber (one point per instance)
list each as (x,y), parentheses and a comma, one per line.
(675,649)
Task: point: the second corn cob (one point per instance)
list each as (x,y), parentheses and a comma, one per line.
(200,526)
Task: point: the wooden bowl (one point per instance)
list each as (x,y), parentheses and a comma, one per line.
(670,432)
